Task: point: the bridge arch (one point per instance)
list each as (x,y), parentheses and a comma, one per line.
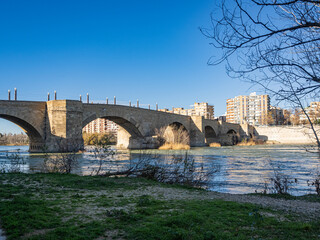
(130,127)
(129,135)
(176,132)
(36,141)
(210,134)
(232,134)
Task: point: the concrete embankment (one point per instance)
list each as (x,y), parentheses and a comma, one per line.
(287,134)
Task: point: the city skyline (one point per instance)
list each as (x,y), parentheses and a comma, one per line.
(153,52)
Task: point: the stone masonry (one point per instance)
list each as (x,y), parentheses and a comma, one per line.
(57,125)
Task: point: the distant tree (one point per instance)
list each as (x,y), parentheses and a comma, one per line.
(286,117)
(14,139)
(102,139)
(312,115)
(296,117)
(317,115)
(272,43)
(270,118)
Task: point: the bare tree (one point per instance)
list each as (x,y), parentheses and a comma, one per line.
(271,120)
(286,117)
(296,117)
(172,134)
(272,43)
(65,161)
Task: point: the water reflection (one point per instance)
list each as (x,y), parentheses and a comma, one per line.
(241,169)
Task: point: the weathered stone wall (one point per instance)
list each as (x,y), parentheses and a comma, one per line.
(64,130)
(287,134)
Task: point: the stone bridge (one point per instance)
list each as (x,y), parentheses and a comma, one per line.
(57,125)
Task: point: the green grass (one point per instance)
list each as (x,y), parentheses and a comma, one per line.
(57,206)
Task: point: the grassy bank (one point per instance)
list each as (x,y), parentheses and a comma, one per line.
(53,206)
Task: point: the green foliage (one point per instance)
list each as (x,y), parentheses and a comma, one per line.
(317,122)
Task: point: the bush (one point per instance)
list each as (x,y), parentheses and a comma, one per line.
(99,139)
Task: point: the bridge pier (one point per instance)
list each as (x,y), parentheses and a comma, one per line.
(64,126)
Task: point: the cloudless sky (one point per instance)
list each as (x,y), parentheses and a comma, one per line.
(147,50)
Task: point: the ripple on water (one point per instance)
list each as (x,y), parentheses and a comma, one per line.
(241,169)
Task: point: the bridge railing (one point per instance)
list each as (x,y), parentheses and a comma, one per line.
(112,101)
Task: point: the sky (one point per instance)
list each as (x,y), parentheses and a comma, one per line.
(147,50)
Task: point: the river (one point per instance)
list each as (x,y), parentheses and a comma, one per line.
(242,169)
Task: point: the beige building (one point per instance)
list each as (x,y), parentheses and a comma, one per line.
(199,109)
(203,109)
(101,125)
(252,109)
(313,112)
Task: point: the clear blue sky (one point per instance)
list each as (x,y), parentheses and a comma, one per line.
(147,50)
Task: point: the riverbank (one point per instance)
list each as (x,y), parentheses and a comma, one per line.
(14,144)
(49,206)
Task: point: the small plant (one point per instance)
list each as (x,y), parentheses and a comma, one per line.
(15,163)
(63,162)
(103,154)
(144,200)
(315,183)
(256,218)
(177,169)
(279,183)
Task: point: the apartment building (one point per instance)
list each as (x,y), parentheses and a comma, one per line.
(101,125)
(203,109)
(277,115)
(313,112)
(252,109)
(199,109)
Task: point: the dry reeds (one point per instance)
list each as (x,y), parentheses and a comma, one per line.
(214,144)
(174,146)
(251,142)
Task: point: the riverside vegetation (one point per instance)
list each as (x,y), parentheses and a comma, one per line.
(138,203)
(14,139)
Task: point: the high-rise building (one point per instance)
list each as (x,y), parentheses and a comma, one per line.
(101,125)
(252,109)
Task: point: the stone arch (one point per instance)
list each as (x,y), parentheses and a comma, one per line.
(129,135)
(232,134)
(36,142)
(122,122)
(210,134)
(176,132)
(231,131)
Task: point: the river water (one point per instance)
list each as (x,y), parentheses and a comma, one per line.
(242,169)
